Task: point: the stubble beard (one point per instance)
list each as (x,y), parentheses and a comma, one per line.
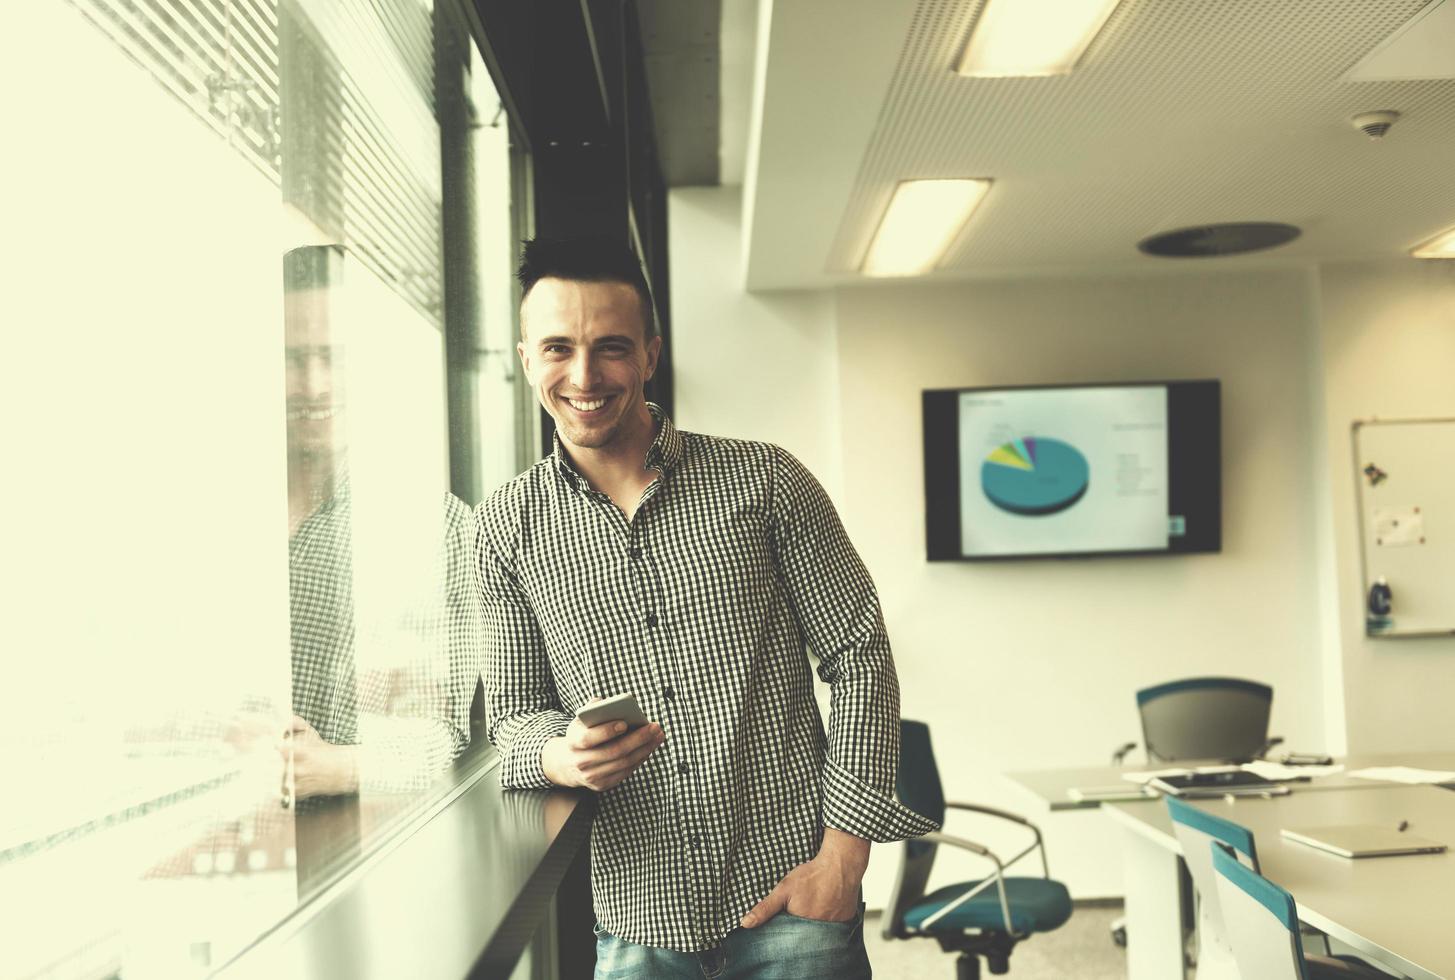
(591,438)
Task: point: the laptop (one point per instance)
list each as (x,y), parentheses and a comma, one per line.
(1362,840)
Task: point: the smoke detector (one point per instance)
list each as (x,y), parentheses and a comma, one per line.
(1375,124)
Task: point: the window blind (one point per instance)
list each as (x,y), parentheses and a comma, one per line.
(333,101)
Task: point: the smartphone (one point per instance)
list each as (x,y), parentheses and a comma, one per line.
(1306,759)
(623,707)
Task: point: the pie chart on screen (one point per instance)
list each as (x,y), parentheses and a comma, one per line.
(1034,477)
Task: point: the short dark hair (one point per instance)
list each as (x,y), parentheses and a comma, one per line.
(585,260)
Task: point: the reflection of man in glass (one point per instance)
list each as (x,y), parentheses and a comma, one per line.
(317,441)
(324,728)
(394,725)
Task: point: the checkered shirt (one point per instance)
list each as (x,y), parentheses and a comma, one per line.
(703,606)
(411,717)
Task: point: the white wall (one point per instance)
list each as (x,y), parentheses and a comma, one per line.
(761,366)
(1079,636)
(1027,665)
(1388,336)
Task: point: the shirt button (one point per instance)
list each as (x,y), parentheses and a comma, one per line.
(668,694)
(694,841)
(635,553)
(684,769)
(651,619)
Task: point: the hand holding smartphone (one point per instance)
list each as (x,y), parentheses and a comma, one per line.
(604,743)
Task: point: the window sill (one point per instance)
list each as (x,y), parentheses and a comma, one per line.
(458,890)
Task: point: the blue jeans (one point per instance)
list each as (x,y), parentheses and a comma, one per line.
(786,947)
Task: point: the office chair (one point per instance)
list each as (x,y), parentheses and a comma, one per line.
(981,918)
(1205,718)
(1196,831)
(1200,718)
(1262,926)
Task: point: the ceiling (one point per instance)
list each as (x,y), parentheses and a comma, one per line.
(1183,112)
(681,48)
(699,59)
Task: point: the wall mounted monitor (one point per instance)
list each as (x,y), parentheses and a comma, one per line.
(1073,470)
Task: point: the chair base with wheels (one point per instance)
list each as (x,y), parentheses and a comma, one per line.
(976,929)
(994,948)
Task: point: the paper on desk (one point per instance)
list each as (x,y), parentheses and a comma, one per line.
(1277,770)
(1404,774)
(1268,770)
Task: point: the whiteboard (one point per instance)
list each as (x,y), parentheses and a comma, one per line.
(1405,470)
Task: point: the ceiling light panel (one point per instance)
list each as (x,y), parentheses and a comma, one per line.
(922,220)
(1442,246)
(1032,37)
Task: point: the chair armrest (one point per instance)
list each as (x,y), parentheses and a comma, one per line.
(990,810)
(997,881)
(1268,746)
(938,837)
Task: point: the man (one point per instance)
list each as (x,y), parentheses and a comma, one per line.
(693,572)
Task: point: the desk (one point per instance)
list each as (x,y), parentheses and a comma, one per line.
(1052,785)
(1393,909)
(1151,879)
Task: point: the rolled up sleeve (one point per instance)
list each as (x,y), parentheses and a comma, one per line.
(837,609)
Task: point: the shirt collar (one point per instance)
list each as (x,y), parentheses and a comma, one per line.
(663,454)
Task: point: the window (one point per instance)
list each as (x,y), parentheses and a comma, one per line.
(237,576)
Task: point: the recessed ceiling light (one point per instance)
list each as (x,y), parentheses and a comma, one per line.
(1032,37)
(921,222)
(1442,246)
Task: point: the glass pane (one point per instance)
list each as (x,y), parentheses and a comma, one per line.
(502,453)
(238,607)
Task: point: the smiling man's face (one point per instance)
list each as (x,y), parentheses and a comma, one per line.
(585,351)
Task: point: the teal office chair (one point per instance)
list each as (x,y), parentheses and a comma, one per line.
(981,918)
(1262,925)
(1196,831)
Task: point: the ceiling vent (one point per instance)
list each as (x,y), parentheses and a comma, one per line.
(1205,241)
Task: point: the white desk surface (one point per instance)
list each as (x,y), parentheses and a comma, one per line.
(1396,909)
(1052,785)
